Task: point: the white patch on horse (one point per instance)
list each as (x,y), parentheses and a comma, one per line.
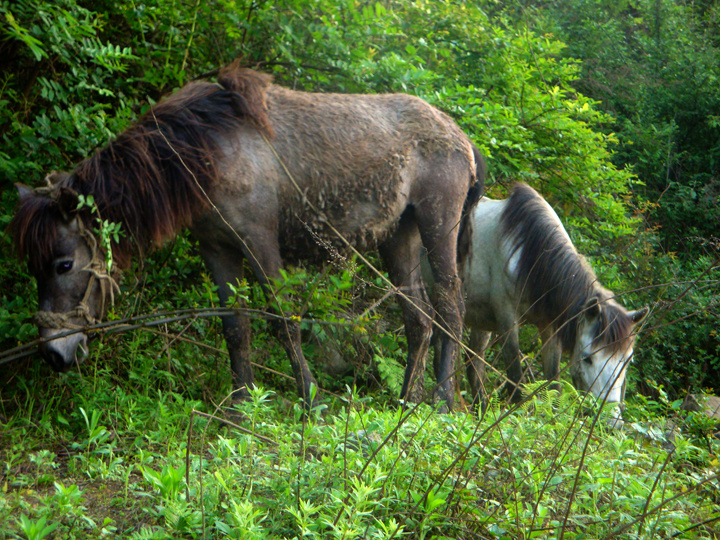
(513,261)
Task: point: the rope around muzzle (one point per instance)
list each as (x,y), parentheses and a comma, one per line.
(98,272)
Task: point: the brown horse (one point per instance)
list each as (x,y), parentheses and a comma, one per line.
(266,174)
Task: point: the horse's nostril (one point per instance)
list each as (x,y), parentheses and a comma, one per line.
(64,352)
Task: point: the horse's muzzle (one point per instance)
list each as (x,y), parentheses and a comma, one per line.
(62,353)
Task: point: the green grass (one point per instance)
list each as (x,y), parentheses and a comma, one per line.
(98,455)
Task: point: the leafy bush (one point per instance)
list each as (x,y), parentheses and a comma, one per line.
(109,450)
(653,66)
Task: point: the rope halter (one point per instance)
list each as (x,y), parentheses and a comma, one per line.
(97,267)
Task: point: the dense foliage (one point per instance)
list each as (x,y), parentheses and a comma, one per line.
(625,143)
(610,108)
(654,66)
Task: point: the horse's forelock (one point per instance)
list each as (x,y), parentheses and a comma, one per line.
(615,327)
(34,230)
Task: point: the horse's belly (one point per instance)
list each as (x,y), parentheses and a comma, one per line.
(480,316)
(322,236)
(489,294)
(357,212)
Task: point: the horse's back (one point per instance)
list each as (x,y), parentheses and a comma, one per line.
(358,140)
(355,161)
(361,120)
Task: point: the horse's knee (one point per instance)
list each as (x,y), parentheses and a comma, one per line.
(237,335)
(418,329)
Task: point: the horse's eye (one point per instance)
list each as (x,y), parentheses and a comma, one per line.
(587,359)
(63,267)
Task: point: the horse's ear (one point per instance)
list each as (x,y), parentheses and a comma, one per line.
(55,177)
(591,309)
(67,200)
(639,315)
(24,192)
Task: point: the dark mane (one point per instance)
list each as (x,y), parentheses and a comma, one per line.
(615,324)
(555,280)
(153,178)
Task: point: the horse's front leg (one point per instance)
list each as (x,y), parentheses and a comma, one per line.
(479,340)
(225,271)
(551,352)
(263,254)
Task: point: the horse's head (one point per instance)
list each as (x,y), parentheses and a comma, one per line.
(69,267)
(604,348)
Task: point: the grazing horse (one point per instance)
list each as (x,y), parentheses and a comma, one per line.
(522,267)
(265,174)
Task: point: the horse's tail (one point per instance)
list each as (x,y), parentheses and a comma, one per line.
(476,191)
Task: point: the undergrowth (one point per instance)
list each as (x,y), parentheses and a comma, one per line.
(128,446)
(154,463)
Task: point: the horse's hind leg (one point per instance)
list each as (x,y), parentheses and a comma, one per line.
(438,217)
(401,255)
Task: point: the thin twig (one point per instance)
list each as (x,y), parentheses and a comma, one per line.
(234,425)
(652,490)
(706,522)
